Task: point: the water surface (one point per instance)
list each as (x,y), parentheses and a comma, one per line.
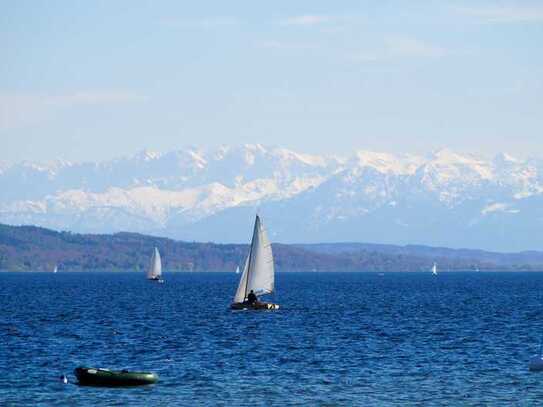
(339,339)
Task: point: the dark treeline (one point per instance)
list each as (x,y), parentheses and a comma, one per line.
(30,248)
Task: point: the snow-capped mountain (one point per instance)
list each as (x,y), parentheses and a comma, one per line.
(444,198)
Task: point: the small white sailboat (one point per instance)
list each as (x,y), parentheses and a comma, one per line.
(155,268)
(434,269)
(258,277)
(237,270)
(55,270)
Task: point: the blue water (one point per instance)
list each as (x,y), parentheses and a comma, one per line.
(339,339)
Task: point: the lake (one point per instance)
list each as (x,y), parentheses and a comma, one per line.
(339,339)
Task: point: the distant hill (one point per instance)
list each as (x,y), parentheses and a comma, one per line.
(477,257)
(30,248)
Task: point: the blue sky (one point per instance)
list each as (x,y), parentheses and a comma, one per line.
(92,80)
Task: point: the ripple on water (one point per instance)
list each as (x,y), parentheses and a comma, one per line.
(339,339)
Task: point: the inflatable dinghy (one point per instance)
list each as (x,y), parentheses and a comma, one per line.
(88,376)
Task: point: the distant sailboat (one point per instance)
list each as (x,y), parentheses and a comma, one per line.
(258,273)
(237,270)
(55,269)
(434,269)
(155,268)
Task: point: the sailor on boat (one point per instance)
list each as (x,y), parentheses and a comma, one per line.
(252,299)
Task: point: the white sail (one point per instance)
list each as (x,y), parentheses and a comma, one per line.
(261,271)
(237,270)
(258,273)
(240,292)
(434,269)
(155,268)
(55,269)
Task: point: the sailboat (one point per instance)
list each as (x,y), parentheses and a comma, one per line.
(55,269)
(258,273)
(434,269)
(237,270)
(155,268)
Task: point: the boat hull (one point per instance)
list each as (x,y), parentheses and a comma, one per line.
(257,306)
(113,378)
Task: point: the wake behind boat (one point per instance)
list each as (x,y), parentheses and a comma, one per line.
(258,277)
(155,268)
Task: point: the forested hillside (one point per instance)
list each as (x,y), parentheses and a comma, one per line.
(30,248)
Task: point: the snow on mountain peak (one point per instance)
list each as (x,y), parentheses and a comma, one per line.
(199,160)
(498,207)
(147,155)
(449,166)
(445,155)
(221,152)
(319,194)
(307,159)
(504,158)
(387,163)
(256,148)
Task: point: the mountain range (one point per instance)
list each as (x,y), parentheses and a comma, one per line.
(443,198)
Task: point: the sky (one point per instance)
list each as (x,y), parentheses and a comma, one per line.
(93,80)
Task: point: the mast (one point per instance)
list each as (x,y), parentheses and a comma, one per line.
(250,256)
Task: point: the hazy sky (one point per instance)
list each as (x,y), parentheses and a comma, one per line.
(98,79)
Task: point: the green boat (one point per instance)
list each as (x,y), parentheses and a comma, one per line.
(89,376)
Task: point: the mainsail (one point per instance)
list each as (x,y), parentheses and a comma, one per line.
(155,268)
(434,269)
(258,273)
